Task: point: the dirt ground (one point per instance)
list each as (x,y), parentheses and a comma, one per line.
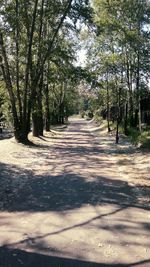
(75,199)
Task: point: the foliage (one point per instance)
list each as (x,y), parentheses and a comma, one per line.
(37,52)
(119,59)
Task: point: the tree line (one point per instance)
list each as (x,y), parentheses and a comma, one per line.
(37,51)
(38,46)
(119,59)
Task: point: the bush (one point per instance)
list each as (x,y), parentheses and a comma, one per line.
(134,135)
(89,114)
(98,118)
(140,138)
(144,139)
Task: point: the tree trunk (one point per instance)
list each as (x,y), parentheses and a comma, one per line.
(35,124)
(108,107)
(117,131)
(37,116)
(37,121)
(17,60)
(20,133)
(29,62)
(21,136)
(140,115)
(118,114)
(61,113)
(136,117)
(138,92)
(47,111)
(40,107)
(126,119)
(129,74)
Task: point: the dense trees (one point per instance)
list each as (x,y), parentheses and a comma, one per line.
(38,43)
(119,55)
(34,35)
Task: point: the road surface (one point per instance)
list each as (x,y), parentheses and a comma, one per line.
(72,204)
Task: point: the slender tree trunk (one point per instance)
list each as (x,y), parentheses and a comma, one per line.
(17,61)
(40,107)
(47,111)
(118,113)
(140,114)
(117,131)
(39,57)
(41,61)
(20,135)
(126,119)
(138,92)
(61,113)
(29,64)
(129,82)
(37,112)
(52,42)
(108,105)
(136,116)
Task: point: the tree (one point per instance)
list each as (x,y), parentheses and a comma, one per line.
(28,40)
(121,36)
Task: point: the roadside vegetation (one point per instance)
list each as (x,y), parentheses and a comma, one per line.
(42,82)
(118,52)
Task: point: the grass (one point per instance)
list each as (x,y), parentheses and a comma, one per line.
(134,135)
(137,138)
(144,139)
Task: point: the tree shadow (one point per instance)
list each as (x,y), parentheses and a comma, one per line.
(6,134)
(21,258)
(22,190)
(65,188)
(85,150)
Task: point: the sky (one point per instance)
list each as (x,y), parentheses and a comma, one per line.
(81,57)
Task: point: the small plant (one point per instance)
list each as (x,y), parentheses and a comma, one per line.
(144,139)
(139,138)
(134,135)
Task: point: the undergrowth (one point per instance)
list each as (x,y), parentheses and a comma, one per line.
(136,138)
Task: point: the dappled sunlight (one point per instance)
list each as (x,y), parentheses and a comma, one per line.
(71,196)
(110,230)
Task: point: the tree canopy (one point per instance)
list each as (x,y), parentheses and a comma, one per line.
(38,47)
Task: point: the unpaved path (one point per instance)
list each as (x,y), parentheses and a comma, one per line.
(76,199)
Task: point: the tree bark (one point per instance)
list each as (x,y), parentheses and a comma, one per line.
(35,125)
(28,64)
(20,134)
(108,106)
(17,60)
(118,111)
(138,92)
(40,107)
(129,83)
(126,119)
(47,111)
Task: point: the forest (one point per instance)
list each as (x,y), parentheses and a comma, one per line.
(42,81)
(74,133)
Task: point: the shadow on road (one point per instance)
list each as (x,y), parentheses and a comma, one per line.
(66,187)
(18,258)
(22,190)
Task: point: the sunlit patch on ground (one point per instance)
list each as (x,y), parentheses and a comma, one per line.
(75,196)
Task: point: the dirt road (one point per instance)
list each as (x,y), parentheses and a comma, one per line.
(73,200)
